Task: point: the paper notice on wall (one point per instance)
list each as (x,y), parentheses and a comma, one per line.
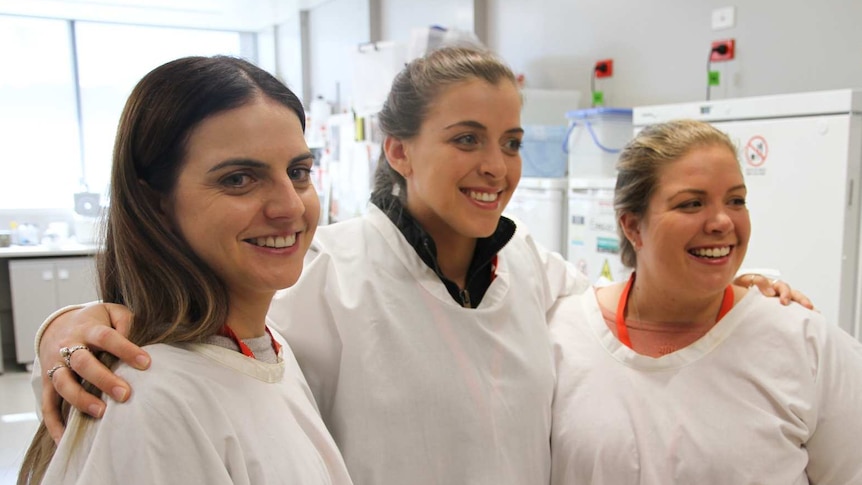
(593,242)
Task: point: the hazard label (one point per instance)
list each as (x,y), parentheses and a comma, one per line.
(756,151)
(606,271)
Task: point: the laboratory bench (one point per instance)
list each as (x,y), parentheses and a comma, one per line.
(35,281)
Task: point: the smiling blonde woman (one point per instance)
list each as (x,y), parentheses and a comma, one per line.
(678,376)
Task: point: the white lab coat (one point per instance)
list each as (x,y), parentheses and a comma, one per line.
(770,395)
(204,414)
(414,388)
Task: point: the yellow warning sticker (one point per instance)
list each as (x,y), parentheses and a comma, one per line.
(606,271)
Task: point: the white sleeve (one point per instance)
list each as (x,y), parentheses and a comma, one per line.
(834,454)
(562,276)
(302,314)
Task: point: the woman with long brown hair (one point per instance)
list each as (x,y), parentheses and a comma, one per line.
(211,212)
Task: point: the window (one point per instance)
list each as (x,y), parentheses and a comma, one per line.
(57,130)
(111,60)
(40,154)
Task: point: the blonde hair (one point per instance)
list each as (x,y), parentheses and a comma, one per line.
(640,161)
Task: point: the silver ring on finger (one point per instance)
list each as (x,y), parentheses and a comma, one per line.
(66,353)
(54,369)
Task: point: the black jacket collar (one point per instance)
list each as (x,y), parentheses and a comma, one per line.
(479,275)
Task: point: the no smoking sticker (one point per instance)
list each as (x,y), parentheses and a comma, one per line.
(756,151)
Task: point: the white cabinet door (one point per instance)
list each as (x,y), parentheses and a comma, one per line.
(76,281)
(34,297)
(40,286)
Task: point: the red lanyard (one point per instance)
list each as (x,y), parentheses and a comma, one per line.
(623,331)
(494,268)
(246,351)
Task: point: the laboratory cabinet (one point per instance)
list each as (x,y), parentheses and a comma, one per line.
(41,286)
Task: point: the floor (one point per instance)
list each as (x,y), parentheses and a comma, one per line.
(18,421)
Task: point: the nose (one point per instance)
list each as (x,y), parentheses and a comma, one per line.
(283,201)
(494,163)
(719,222)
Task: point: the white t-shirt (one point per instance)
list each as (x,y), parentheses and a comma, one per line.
(203,414)
(770,395)
(416,389)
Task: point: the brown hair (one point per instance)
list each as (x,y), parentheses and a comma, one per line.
(414,89)
(640,161)
(145,264)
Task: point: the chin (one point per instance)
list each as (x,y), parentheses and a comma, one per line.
(281,282)
(487,228)
(718,282)
(482,233)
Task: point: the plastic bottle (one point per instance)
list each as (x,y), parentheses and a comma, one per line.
(13,228)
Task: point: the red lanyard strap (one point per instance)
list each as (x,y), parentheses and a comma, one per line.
(228,332)
(623,330)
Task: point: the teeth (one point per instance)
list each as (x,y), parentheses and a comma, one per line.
(711,252)
(275,242)
(484,196)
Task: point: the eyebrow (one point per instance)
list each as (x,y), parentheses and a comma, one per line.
(702,192)
(477,125)
(251,163)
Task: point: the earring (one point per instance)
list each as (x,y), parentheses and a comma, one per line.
(396,190)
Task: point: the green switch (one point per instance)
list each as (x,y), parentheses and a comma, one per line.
(714,78)
(598,98)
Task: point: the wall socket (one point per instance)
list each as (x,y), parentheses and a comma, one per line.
(729,48)
(605,68)
(723,18)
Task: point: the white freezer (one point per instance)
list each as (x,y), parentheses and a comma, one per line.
(539,203)
(801,156)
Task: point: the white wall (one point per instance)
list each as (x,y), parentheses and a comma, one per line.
(284,49)
(399,17)
(660,47)
(335,30)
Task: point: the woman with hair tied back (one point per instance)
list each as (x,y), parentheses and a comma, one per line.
(212,211)
(678,376)
(421,326)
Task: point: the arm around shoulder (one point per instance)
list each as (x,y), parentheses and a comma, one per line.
(48,321)
(90,328)
(36,375)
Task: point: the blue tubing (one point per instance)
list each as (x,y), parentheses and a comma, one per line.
(592,135)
